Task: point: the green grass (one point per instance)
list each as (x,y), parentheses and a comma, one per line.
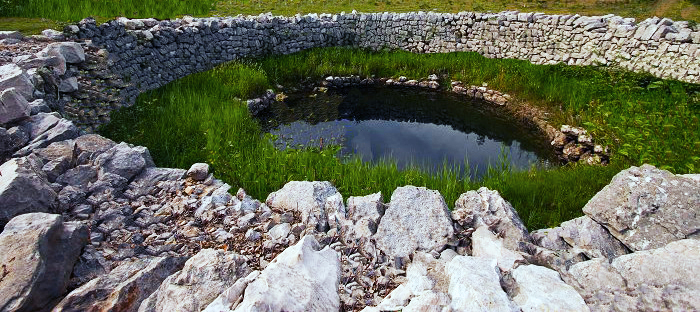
(65,11)
(75,10)
(29,26)
(197,119)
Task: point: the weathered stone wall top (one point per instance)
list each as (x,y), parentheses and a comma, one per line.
(148,53)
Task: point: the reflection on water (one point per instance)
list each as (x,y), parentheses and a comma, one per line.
(408,126)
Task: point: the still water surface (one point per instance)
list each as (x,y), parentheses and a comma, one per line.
(428,129)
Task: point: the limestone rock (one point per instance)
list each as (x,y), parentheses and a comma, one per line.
(12,76)
(39,106)
(428,301)
(280,231)
(89,146)
(24,188)
(122,289)
(475,285)
(29,62)
(13,106)
(79,176)
(63,129)
(56,150)
(487,207)
(312,199)
(37,254)
(146,181)
(11,140)
(580,239)
(541,289)
(363,215)
(425,289)
(68,85)
(646,208)
(232,295)
(53,34)
(644,280)
(486,245)
(71,51)
(13,34)
(301,278)
(198,171)
(199,282)
(123,160)
(38,124)
(416,219)
(396,300)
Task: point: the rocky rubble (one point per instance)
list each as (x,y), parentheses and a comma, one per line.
(408,254)
(574,144)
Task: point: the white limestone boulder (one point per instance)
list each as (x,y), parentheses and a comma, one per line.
(644,280)
(48,130)
(542,289)
(485,244)
(72,52)
(487,207)
(646,208)
(363,215)
(198,171)
(12,76)
(124,160)
(13,106)
(24,188)
(301,278)
(199,282)
(580,239)
(475,285)
(318,202)
(417,219)
(37,255)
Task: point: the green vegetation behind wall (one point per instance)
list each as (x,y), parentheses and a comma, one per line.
(198,119)
(58,12)
(75,10)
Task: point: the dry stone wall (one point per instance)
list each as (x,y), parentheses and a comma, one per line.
(148,53)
